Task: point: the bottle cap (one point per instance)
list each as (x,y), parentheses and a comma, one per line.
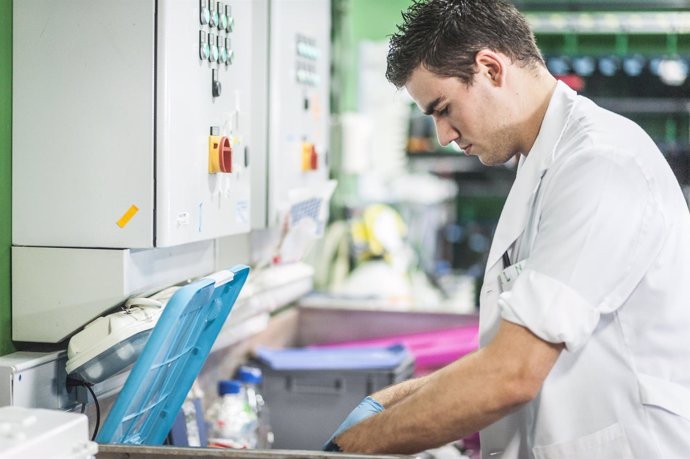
(229,386)
(249,375)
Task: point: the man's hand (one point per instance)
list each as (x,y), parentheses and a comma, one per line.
(367,407)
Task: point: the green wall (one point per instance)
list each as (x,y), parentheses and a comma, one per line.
(5,172)
(366,20)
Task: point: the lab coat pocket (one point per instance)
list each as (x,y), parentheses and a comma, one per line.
(670,396)
(608,443)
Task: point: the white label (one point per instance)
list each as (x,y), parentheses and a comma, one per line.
(182,219)
(242,211)
(508,275)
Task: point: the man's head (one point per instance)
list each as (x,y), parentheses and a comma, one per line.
(444,36)
(474,66)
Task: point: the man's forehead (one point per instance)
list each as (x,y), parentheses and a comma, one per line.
(425,91)
(422,87)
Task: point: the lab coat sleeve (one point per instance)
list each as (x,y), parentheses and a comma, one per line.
(599,230)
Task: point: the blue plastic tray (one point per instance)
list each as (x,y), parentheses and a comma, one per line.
(153,394)
(345,358)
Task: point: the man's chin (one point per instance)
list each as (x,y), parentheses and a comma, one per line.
(488,161)
(492,160)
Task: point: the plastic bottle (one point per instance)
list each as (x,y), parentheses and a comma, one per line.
(193,417)
(251,379)
(231,423)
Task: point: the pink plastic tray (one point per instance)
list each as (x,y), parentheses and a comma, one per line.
(431,350)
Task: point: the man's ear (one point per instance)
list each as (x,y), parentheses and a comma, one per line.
(491,65)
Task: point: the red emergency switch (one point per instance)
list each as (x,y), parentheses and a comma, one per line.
(219,154)
(314,158)
(225,155)
(310,159)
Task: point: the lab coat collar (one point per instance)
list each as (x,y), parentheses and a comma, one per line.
(531,169)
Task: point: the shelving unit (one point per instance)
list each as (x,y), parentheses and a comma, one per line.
(644,105)
(605,5)
(609,22)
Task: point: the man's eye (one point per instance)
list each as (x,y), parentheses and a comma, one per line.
(443,112)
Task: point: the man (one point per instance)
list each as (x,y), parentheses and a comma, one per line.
(584,316)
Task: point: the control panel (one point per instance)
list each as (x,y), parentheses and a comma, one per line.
(144,109)
(299,79)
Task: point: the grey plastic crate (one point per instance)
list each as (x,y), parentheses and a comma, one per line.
(306,406)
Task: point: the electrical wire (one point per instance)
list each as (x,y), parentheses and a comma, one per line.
(74,382)
(98,410)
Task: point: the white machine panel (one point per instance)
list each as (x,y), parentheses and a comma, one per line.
(299,72)
(35,380)
(114,103)
(56,291)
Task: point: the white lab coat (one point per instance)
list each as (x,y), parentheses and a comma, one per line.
(601,232)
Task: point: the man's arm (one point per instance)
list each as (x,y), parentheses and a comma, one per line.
(393,394)
(461,398)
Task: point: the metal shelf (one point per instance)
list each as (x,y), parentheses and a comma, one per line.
(604,5)
(643,105)
(610,22)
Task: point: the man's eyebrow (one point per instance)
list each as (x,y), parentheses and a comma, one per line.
(432,106)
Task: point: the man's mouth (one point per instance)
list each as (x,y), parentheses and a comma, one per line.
(467,148)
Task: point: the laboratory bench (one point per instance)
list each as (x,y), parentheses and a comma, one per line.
(145,452)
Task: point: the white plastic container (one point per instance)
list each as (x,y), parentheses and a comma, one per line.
(251,379)
(232,424)
(33,433)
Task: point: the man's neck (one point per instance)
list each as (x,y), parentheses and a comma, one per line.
(538,88)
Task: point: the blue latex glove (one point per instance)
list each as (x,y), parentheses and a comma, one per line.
(366,408)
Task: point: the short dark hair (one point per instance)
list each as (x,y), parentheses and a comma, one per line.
(445,36)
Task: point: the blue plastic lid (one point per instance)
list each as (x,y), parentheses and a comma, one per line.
(153,394)
(249,375)
(354,358)
(229,386)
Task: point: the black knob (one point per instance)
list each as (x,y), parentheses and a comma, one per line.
(216,88)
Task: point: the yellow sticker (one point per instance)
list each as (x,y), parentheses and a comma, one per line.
(122,222)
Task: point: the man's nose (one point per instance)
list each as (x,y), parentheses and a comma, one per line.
(445,132)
